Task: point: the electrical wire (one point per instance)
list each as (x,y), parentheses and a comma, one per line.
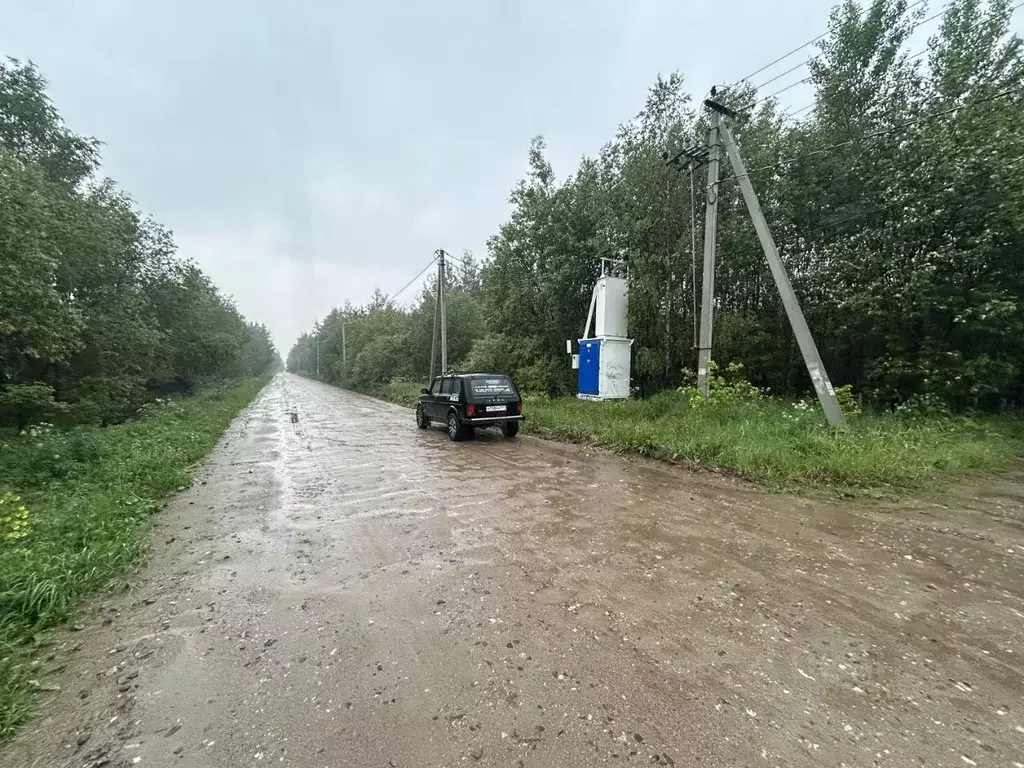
(463,261)
(391,297)
(807,79)
(456,258)
(404,288)
(783,74)
(917,55)
(782,58)
(793,112)
(880,132)
(776,93)
(904,201)
(798,111)
(799,48)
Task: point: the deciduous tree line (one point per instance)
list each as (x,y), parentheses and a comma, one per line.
(97,313)
(896,198)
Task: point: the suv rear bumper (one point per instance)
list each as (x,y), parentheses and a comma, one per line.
(474,420)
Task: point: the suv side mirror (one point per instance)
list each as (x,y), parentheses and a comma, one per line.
(424,391)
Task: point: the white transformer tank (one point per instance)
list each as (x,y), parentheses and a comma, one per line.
(612,307)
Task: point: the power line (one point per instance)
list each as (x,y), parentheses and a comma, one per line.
(793,112)
(799,48)
(790,113)
(783,74)
(391,297)
(407,285)
(463,261)
(904,201)
(778,60)
(810,59)
(798,111)
(880,132)
(810,77)
(457,258)
(776,93)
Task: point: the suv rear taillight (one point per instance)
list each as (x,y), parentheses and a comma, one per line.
(519,407)
(470,409)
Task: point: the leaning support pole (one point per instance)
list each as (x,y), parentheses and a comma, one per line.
(590,314)
(710,227)
(812,359)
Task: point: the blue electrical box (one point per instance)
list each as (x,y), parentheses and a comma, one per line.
(590,364)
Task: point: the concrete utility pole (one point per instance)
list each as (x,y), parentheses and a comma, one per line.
(809,350)
(318,356)
(710,227)
(344,345)
(693,255)
(442,270)
(437,319)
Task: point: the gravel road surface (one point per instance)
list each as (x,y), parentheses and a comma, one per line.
(350,591)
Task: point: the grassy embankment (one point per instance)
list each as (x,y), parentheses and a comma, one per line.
(780,444)
(76,508)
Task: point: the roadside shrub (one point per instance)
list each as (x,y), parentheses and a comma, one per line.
(15,524)
(925,405)
(847,403)
(22,404)
(542,377)
(725,388)
(106,399)
(43,453)
(521,358)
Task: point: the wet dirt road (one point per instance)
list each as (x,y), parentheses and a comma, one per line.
(350,591)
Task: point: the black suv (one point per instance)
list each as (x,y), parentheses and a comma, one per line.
(464,401)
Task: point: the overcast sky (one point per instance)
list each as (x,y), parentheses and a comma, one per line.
(308,152)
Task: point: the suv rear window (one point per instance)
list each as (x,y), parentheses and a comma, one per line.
(492,386)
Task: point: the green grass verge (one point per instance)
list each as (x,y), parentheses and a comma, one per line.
(788,445)
(401,392)
(76,510)
(779,444)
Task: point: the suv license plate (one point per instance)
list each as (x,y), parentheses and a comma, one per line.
(493,408)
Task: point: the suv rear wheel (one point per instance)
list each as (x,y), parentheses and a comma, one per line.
(510,428)
(455,429)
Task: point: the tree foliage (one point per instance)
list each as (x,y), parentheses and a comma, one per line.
(897,203)
(97,313)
